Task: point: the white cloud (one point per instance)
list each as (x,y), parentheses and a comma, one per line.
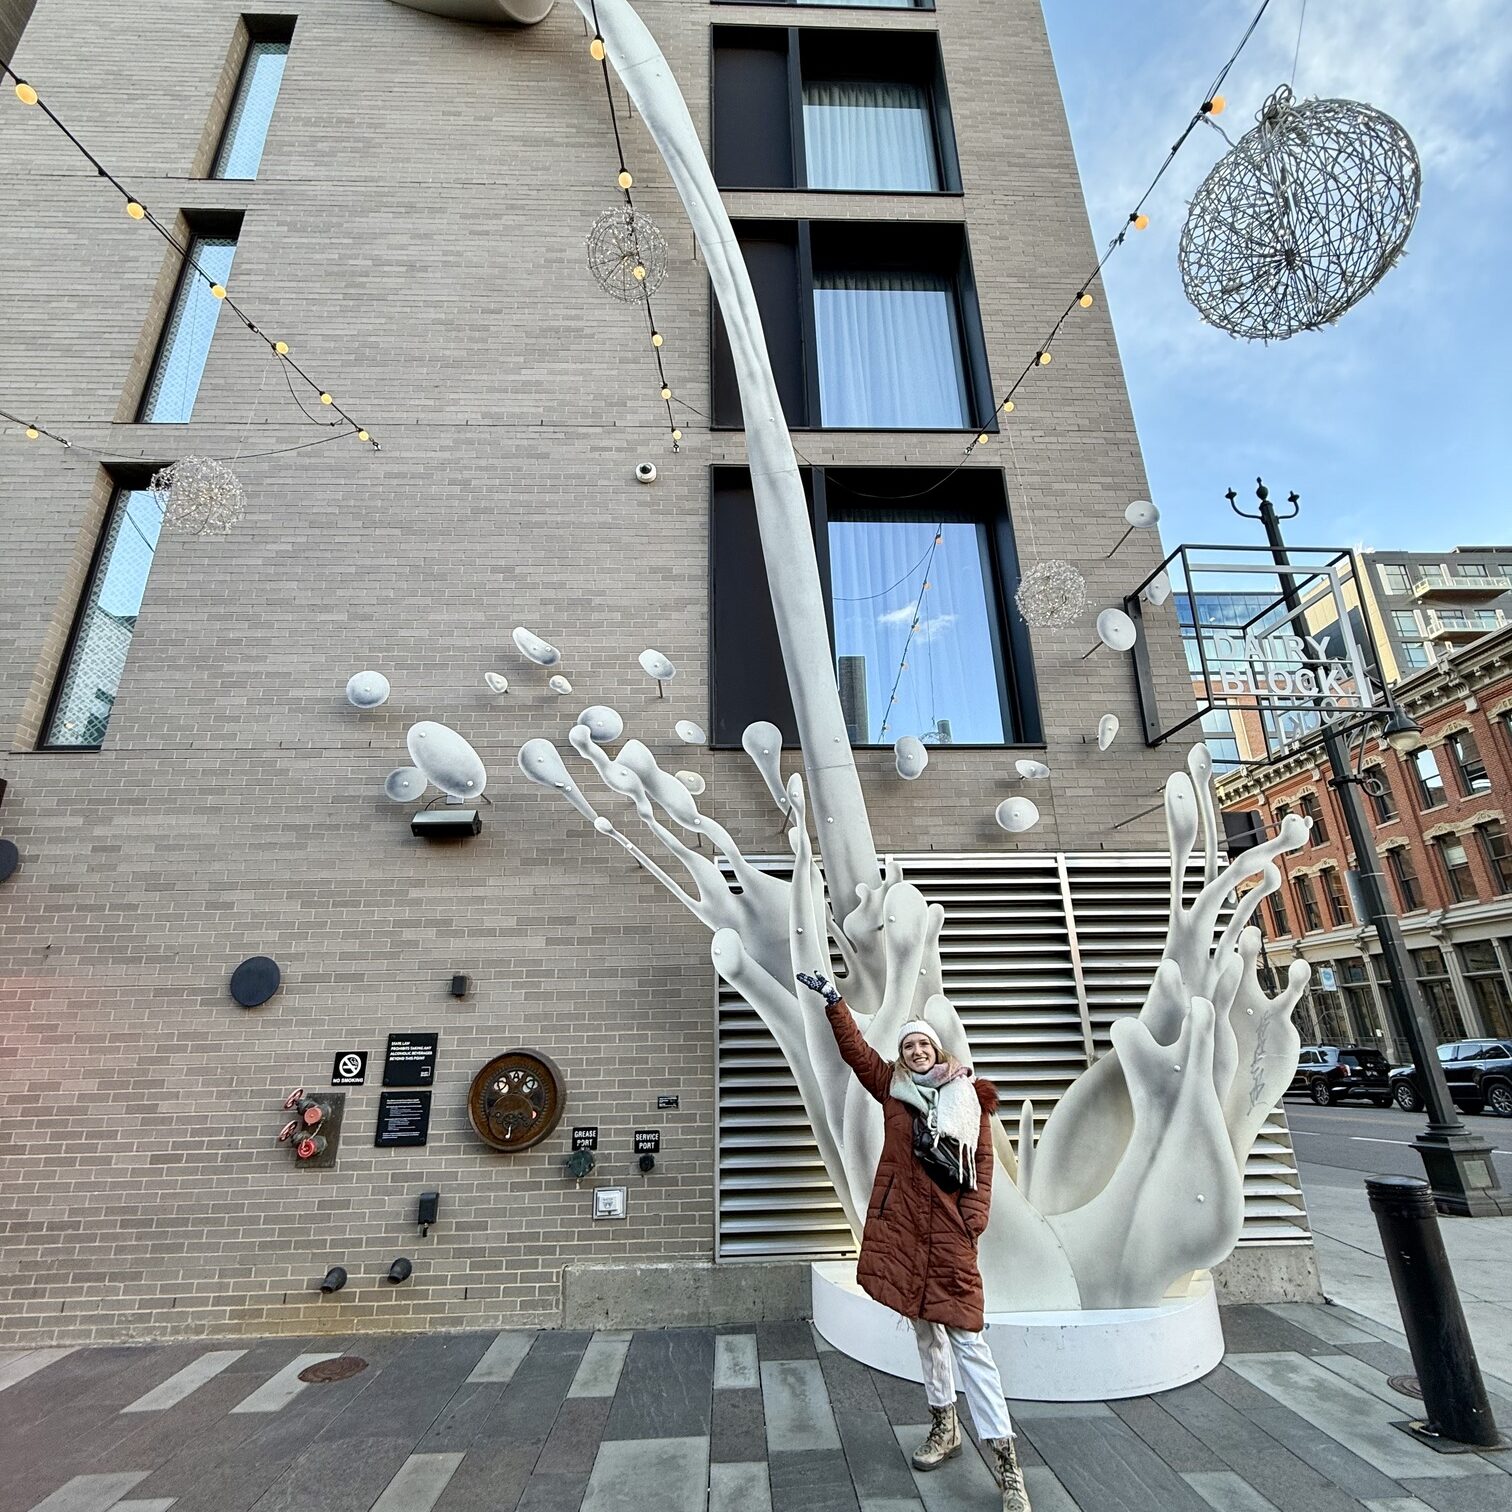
(901,616)
(934,627)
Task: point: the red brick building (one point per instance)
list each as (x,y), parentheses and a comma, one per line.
(1441,823)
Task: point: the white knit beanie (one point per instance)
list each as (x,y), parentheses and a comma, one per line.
(919,1026)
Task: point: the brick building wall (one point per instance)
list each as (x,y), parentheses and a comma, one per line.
(415,233)
(1469,696)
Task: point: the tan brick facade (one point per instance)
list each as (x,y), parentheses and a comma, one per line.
(416,235)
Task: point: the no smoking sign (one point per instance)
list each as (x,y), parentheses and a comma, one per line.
(349,1069)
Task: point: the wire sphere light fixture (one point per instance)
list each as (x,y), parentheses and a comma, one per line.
(198,496)
(1301,219)
(627,255)
(1051,595)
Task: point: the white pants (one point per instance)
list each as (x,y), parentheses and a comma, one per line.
(975,1366)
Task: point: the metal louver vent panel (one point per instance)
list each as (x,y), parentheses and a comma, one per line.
(1040,953)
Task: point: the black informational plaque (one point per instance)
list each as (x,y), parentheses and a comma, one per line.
(585,1136)
(403,1118)
(648,1141)
(410,1061)
(349,1068)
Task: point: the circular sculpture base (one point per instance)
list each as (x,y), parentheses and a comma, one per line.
(1091,1356)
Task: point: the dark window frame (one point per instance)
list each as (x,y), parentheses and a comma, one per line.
(1383,803)
(941,247)
(1018,689)
(1426,800)
(1336,896)
(1497,849)
(1279,921)
(1312,808)
(823,52)
(120,481)
(1460,880)
(1469,765)
(1307,905)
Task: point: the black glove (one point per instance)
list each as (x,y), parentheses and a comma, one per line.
(820,985)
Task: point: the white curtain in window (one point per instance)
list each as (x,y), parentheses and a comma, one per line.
(889,352)
(868,134)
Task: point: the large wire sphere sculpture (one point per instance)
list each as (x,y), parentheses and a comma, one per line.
(1301,219)
(627,255)
(198,496)
(1052,595)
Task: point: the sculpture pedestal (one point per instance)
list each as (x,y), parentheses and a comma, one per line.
(1090,1356)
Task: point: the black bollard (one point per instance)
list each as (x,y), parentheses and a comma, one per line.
(1454,1395)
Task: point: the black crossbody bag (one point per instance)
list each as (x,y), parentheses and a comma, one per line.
(941,1157)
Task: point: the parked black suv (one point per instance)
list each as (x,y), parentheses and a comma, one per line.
(1479,1073)
(1330,1073)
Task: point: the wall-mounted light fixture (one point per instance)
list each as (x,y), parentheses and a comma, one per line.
(335,1279)
(399,1271)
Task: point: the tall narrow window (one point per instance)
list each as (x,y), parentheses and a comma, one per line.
(1307,898)
(1498,853)
(1430,784)
(246,133)
(86,688)
(185,345)
(1469,769)
(1278,915)
(1313,809)
(1408,888)
(889,352)
(1338,898)
(869,134)
(1381,798)
(1456,866)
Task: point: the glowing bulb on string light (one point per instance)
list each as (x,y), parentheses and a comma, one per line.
(638,272)
(326,399)
(218,290)
(1215,106)
(1044,359)
(677,435)
(1140,221)
(666,393)
(596,49)
(1084,299)
(982,439)
(656,338)
(26,94)
(32,433)
(281,347)
(625,180)
(362,435)
(134,210)
(1008,406)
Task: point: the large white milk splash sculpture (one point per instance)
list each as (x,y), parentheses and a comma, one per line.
(1135,1182)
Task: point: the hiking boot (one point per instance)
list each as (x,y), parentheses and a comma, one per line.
(1006,1472)
(944,1439)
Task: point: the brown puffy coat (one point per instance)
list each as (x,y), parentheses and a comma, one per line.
(918,1249)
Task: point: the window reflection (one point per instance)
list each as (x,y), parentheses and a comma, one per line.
(186,341)
(918,644)
(246,135)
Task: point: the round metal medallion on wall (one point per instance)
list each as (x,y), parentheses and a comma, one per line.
(516,1100)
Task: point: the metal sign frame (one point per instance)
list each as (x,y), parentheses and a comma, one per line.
(1313,574)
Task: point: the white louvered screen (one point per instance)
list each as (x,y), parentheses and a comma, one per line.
(1040,952)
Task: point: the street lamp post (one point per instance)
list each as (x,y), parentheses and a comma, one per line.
(1458,1163)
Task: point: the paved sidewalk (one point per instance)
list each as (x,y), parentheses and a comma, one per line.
(1298,1419)
(1354,1270)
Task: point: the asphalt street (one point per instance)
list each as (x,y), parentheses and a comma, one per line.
(1342,1145)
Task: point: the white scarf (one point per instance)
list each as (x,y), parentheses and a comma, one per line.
(953,1109)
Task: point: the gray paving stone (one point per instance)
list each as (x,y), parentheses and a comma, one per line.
(20,1365)
(1469,1494)
(1290,1483)
(599,1373)
(1226,1492)
(1033,1412)
(156,1504)
(962,1484)
(1152,1425)
(183,1382)
(1350,1416)
(502,1357)
(664,1474)
(811,1480)
(1107,1469)
(1399,1504)
(666,1387)
(891,1504)
(786,1341)
(1257,1330)
(1331,1324)
(572,1445)
(878,1466)
(737,1430)
(902,1401)
(91,1493)
(850,1383)
(735,1362)
(740,1486)
(279,1390)
(419,1483)
(797,1406)
(347,1474)
(554,1491)
(1045,1492)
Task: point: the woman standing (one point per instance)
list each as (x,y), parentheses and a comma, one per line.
(929,1206)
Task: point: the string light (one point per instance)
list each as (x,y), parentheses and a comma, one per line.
(32,433)
(624,179)
(666,393)
(656,338)
(596,49)
(1212,104)
(137,210)
(326,399)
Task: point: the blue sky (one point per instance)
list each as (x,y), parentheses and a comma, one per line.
(1393,424)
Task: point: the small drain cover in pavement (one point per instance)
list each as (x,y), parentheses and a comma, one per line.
(339,1369)
(1407,1385)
